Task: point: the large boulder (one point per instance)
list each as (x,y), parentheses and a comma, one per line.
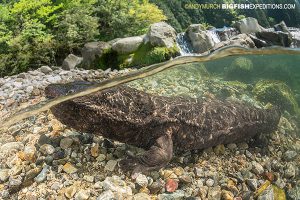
(281,27)
(227,33)
(161,34)
(127,45)
(275,38)
(92,52)
(240,40)
(201,39)
(248,25)
(71,61)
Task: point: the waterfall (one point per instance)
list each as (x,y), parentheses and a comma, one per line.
(213,34)
(184,45)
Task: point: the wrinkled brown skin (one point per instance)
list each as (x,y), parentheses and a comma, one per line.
(159,123)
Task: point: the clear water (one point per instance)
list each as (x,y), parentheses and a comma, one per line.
(258,77)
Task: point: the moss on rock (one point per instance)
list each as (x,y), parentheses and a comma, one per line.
(241,69)
(277,93)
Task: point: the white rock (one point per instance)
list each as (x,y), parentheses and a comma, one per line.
(142,180)
(12,146)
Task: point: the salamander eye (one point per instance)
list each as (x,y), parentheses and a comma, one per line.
(70,91)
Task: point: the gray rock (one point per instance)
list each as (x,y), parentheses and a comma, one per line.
(89,178)
(209,182)
(46,69)
(200,39)
(240,40)
(232,146)
(276,38)
(127,45)
(111,165)
(257,168)
(42,175)
(15,181)
(290,155)
(54,79)
(82,195)
(177,195)
(290,171)
(248,25)
(107,195)
(4,175)
(4,194)
(71,62)
(252,183)
(47,149)
(281,27)
(66,142)
(162,34)
(92,52)
(56,186)
(117,186)
(294,193)
(141,180)
(268,194)
(12,146)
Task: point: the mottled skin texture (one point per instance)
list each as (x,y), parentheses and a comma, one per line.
(159,123)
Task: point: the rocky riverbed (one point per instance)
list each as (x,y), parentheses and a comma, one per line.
(42,159)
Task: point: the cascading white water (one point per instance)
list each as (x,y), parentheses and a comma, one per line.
(184,45)
(213,34)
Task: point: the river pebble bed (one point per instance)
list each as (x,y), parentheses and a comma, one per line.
(40,158)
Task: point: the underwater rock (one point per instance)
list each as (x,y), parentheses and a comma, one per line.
(277,93)
(241,69)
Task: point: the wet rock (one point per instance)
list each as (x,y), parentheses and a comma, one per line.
(15,181)
(69,168)
(186,178)
(89,178)
(82,195)
(47,149)
(219,149)
(290,155)
(66,143)
(42,176)
(227,195)
(178,195)
(209,182)
(268,194)
(141,180)
(106,195)
(240,40)
(276,38)
(30,175)
(117,186)
(56,186)
(290,171)
(243,145)
(30,153)
(111,165)
(257,168)
(70,191)
(95,150)
(54,79)
(171,185)
(46,69)
(101,158)
(252,183)
(4,175)
(16,170)
(294,193)
(214,193)
(12,146)
(156,187)
(141,196)
(281,27)
(71,62)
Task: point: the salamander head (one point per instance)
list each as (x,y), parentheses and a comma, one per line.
(57,90)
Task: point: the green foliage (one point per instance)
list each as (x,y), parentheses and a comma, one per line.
(122,18)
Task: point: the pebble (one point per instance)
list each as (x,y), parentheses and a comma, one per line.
(141,180)
(156,186)
(101,158)
(95,150)
(243,146)
(4,175)
(177,195)
(42,176)
(15,181)
(171,185)
(257,168)
(111,165)
(69,168)
(82,195)
(47,149)
(66,143)
(290,171)
(209,182)
(214,193)
(56,186)
(219,149)
(118,186)
(227,195)
(70,191)
(141,196)
(30,153)
(252,183)
(89,178)
(12,146)
(46,69)
(290,155)
(106,195)
(267,194)
(186,178)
